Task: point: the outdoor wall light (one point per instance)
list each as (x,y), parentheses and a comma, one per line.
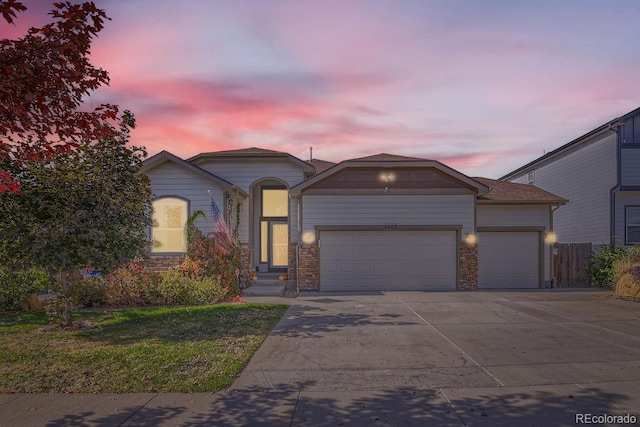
(308,237)
(550,238)
(387,177)
(471,238)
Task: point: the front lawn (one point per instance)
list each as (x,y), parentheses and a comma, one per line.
(180,349)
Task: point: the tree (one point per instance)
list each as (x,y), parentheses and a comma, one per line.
(87,206)
(45,77)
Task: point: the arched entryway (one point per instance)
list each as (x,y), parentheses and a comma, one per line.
(270,224)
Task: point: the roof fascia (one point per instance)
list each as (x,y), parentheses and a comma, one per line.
(477,186)
(202,156)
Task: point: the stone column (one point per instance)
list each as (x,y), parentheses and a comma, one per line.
(468,266)
(308,266)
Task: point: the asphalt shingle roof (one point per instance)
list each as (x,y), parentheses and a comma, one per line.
(504,191)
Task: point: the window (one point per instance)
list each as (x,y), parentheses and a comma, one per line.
(169,219)
(275,202)
(632,225)
(531,177)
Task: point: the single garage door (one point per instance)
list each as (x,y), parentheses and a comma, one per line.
(508,260)
(387,260)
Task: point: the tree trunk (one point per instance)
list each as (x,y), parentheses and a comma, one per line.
(66,305)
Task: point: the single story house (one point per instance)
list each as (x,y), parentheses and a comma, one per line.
(383,222)
(600,173)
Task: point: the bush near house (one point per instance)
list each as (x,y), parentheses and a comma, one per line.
(15,286)
(602,268)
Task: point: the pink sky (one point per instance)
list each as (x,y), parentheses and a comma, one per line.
(483,86)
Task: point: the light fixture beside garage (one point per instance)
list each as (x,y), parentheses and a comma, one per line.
(471,238)
(550,238)
(308,237)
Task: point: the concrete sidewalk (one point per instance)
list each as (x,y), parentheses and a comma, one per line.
(402,359)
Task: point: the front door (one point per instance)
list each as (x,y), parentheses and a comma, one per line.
(279,245)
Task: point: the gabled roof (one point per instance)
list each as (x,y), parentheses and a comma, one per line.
(510,192)
(385,157)
(165,156)
(252,152)
(321,165)
(609,126)
(385,160)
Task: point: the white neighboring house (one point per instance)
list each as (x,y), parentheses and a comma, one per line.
(382,222)
(599,173)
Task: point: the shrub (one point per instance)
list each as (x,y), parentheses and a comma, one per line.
(15,286)
(176,288)
(89,291)
(132,284)
(602,269)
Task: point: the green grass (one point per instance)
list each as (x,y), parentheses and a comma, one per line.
(181,349)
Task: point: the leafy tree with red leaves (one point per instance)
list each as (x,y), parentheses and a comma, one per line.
(45,76)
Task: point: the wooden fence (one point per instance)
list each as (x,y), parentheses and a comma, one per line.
(570,262)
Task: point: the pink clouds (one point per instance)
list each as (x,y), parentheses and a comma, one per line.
(481,87)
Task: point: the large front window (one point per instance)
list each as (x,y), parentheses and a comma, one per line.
(169,219)
(633,225)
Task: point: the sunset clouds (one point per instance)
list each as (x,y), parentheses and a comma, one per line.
(482,86)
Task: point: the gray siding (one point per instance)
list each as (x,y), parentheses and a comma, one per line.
(246,172)
(170,179)
(630,167)
(623,199)
(583,175)
(513,216)
(383,210)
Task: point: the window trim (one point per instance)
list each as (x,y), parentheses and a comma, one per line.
(531,177)
(626,224)
(151,248)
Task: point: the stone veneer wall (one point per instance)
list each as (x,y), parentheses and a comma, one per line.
(163,263)
(468,266)
(292,273)
(245,258)
(308,266)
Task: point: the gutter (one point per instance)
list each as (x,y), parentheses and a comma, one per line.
(614,127)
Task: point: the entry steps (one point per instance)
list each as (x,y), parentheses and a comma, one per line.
(268,285)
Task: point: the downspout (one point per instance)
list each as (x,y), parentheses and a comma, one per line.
(298,244)
(614,126)
(552,209)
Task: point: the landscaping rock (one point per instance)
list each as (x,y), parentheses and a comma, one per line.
(32,302)
(627,286)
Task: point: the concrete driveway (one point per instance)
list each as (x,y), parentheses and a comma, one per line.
(454,358)
(402,359)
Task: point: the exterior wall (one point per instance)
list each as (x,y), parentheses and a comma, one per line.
(468,267)
(388,209)
(630,166)
(520,216)
(293,265)
(308,266)
(170,179)
(163,263)
(244,172)
(623,199)
(584,175)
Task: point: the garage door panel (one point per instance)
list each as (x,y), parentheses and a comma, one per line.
(388,260)
(508,260)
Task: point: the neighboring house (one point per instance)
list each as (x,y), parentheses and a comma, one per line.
(599,173)
(382,222)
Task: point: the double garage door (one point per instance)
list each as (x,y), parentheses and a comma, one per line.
(387,260)
(424,260)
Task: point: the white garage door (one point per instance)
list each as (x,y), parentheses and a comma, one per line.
(508,260)
(387,260)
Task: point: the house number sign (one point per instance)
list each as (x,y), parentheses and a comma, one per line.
(390,227)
